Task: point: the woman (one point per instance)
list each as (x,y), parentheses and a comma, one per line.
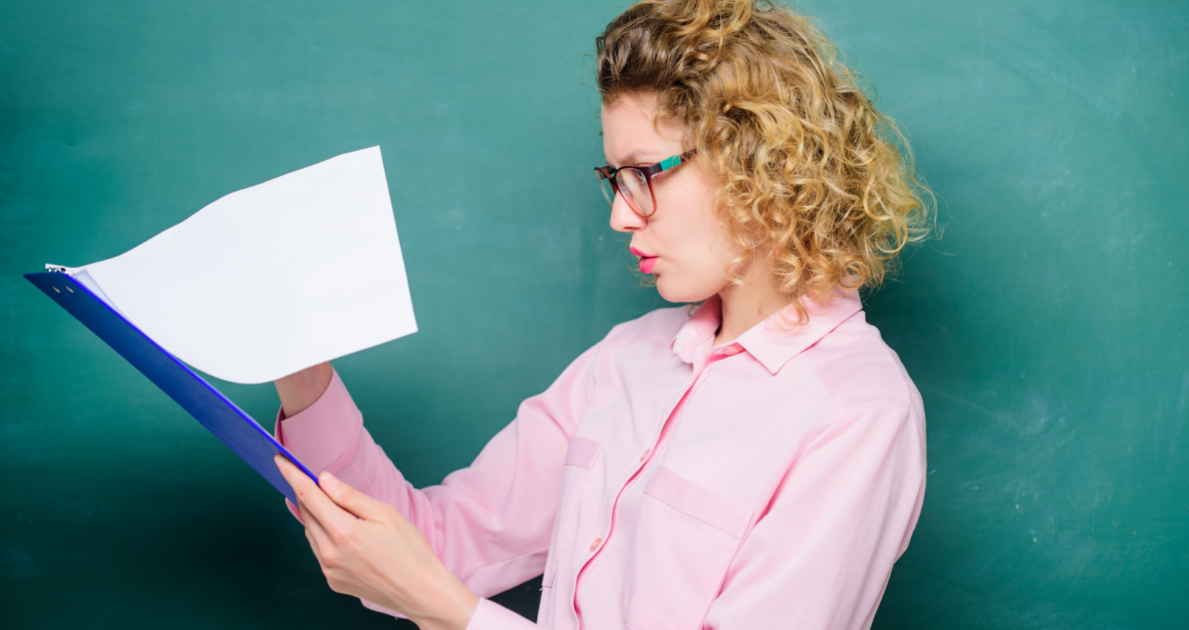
(757,463)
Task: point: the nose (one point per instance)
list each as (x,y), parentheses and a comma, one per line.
(623,218)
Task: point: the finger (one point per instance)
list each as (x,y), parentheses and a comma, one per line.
(313,544)
(352,500)
(329,514)
(317,536)
(292,474)
(295,481)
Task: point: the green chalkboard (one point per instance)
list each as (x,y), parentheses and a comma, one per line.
(1047,331)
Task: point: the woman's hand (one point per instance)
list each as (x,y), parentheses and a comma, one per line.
(369,550)
(302,389)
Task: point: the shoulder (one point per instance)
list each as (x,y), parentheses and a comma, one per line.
(644,336)
(859,370)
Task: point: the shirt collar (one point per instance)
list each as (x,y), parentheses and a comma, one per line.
(699,330)
(775,340)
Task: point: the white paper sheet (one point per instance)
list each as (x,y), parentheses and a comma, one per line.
(272,279)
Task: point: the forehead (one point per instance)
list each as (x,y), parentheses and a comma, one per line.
(630,131)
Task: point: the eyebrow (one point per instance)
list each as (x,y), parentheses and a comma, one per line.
(634,157)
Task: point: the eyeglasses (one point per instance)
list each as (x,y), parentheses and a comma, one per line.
(635,182)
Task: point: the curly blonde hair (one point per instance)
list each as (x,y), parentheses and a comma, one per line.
(810,173)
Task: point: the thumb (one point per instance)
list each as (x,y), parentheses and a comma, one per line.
(351,499)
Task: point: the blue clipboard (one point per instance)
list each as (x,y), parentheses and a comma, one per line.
(243,435)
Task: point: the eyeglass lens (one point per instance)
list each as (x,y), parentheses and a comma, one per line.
(634,188)
(608,191)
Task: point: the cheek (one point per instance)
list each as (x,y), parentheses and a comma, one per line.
(705,252)
(706,234)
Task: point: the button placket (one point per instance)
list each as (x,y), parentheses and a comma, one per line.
(700,373)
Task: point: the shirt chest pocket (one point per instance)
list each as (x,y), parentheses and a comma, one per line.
(686,538)
(580,459)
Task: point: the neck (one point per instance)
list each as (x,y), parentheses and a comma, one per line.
(745,305)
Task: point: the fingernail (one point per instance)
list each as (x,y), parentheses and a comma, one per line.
(327,480)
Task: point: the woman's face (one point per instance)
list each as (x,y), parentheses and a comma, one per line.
(682,243)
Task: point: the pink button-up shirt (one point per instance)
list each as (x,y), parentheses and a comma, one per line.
(664,483)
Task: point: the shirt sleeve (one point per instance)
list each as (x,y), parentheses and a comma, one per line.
(490,523)
(821,556)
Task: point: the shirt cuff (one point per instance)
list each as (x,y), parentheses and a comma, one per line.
(491,616)
(324,432)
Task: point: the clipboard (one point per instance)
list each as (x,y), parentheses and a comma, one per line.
(243,435)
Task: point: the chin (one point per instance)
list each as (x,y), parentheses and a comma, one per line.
(682,293)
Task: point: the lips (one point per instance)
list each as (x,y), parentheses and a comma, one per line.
(646,262)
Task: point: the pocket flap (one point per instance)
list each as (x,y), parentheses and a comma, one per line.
(583,452)
(693,500)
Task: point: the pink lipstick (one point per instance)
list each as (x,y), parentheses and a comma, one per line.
(646,262)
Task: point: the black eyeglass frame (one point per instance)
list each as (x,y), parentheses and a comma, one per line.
(609,173)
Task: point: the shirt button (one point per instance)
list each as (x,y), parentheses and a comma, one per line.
(732,349)
(595,545)
(645,455)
